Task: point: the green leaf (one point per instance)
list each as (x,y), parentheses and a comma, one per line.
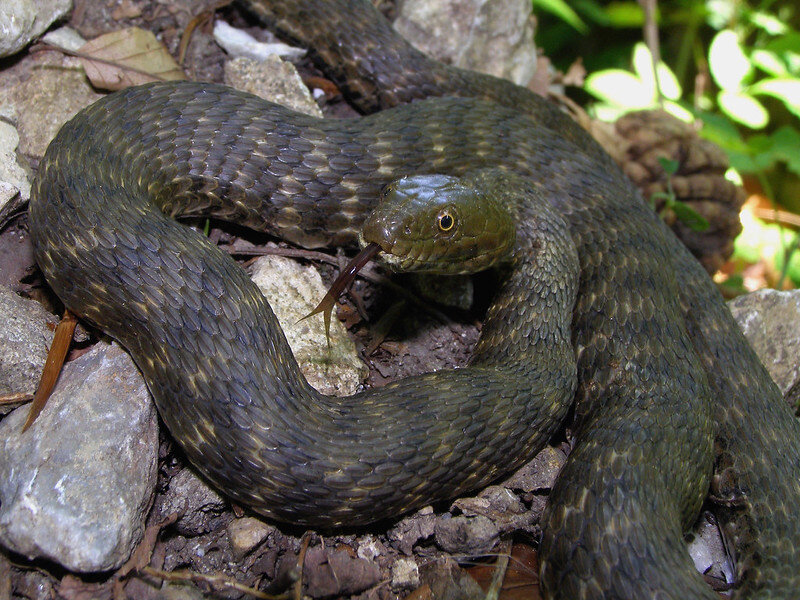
(564,12)
(781,146)
(785,89)
(625,14)
(727,62)
(689,216)
(670,166)
(769,23)
(619,88)
(643,66)
(769,62)
(743,108)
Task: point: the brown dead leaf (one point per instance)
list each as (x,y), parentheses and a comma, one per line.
(521,578)
(127,57)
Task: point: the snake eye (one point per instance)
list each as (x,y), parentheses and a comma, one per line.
(445,220)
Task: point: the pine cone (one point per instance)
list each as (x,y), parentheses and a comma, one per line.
(644,137)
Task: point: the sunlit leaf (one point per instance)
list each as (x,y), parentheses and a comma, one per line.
(785,89)
(727,62)
(678,111)
(743,108)
(769,62)
(769,23)
(563,11)
(670,87)
(619,88)
(643,65)
(128,57)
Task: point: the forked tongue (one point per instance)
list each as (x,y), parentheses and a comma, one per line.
(342,281)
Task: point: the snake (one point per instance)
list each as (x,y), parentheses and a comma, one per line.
(629,338)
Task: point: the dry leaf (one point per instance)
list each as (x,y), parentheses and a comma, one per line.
(127,57)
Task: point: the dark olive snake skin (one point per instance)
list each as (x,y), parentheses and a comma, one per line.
(670,397)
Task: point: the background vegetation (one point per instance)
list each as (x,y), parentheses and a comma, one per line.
(730,66)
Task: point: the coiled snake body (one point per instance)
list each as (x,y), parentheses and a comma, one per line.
(667,388)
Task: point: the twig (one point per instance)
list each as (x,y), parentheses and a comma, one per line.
(301,559)
(215,579)
(499,572)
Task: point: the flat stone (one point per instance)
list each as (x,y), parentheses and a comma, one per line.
(770,321)
(293,291)
(40,104)
(491,36)
(198,506)
(239,43)
(21,21)
(24,339)
(271,79)
(245,534)
(12,174)
(76,487)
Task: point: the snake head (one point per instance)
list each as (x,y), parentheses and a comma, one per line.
(440,224)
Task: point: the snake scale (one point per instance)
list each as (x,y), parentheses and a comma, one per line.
(670,399)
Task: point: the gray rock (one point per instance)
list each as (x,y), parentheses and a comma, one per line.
(245,534)
(331,572)
(197,505)
(466,535)
(457,291)
(75,488)
(405,573)
(239,43)
(12,175)
(707,549)
(272,79)
(771,322)
(64,37)
(492,36)
(539,474)
(23,20)
(40,104)
(293,291)
(24,339)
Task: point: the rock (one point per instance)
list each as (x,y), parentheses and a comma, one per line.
(771,322)
(293,291)
(405,573)
(331,572)
(498,504)
(245,534)
(75,488)
(413,528)
(240,43)
(539,474)
(707,550)
(272,79)
(54,91)
(448,581)
(23,20)
(12,174)
(456,291)
(64,37)
(492,36)
(198,506)
(24,339)
(466,535)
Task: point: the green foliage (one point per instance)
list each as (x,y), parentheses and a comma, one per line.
(733,65)
(685,213)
